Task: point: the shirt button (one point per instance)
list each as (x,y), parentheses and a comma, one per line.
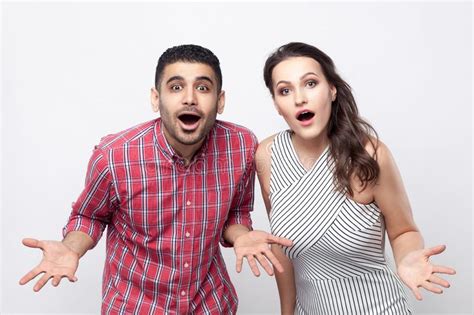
(188,234)
(188,203)
(186,265)
(183,293)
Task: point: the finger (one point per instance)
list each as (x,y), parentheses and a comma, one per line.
(431,287)
(416,293)
(253,265)
(30,275)
(264,263)
(72,278)
(56,280)
(272,239)
(274,261)
(435,250)
(239,262)
(31,242)
(41,282)
(444,269)
(439,281)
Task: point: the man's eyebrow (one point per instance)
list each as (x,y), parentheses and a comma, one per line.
(205,78)
(173,78)
(180,78)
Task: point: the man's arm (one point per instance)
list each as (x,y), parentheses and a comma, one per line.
(252,245)
(88,219)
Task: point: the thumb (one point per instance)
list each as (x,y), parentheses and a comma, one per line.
(435,250)
(31,242)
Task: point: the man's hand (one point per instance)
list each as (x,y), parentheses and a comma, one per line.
(58,261)
(255,246)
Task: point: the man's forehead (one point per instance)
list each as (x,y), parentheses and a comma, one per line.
(188,71)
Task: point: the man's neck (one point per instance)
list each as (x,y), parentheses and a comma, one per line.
(187,151)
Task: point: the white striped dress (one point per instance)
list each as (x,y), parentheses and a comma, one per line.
(338,244)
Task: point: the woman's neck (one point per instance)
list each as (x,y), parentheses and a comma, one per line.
(309,150)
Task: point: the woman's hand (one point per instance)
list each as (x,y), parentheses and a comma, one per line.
(255,246)
(416,271)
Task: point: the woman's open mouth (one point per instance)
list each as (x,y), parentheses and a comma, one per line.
(305,117)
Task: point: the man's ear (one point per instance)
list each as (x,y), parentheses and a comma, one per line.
(155,100)
(221,102)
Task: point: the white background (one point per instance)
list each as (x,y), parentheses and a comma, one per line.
(72,73)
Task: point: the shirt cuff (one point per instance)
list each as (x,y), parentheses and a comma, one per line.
(243,220)
(89,226)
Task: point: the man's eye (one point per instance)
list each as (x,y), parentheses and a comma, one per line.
(202,88)
(176,87)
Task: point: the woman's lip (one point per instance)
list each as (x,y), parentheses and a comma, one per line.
(307,122)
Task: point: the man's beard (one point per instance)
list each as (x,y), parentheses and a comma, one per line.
(184,137)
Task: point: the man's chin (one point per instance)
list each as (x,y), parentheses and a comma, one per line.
(191,138)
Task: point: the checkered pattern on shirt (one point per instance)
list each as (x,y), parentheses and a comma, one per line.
(165,220)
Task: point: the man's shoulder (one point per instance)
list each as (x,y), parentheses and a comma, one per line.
(129,136)
(234,130)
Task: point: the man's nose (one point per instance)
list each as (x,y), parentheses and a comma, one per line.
(189,96)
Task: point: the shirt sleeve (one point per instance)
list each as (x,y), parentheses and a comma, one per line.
(242,203)
(93,209)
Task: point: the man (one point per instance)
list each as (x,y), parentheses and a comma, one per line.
(169,191)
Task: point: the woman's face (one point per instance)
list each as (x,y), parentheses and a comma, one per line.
(303,96)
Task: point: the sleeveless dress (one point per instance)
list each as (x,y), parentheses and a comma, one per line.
(338,244)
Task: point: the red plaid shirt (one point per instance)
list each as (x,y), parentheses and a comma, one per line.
(165,219)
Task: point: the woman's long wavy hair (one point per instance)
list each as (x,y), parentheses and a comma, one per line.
(348,133)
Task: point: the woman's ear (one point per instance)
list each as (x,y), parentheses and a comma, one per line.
(333,93)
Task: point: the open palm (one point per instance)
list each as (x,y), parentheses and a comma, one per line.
(255,246)
(416,271)
(58,261)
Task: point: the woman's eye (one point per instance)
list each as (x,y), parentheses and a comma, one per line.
(311,83)
(284,91)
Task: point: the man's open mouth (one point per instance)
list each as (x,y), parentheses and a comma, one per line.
(189,120)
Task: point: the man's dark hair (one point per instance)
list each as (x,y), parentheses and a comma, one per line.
(188,53)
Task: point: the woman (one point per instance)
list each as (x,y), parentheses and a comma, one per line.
(333,188)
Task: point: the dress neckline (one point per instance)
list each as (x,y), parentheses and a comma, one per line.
(294,154)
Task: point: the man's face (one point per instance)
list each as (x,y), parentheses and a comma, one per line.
(188,102)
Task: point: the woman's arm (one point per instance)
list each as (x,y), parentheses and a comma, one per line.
(285,280)
(412,261)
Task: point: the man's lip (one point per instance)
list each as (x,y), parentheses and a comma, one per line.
(190,113)
(189,127)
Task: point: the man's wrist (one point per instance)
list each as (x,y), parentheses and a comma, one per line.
(233,232)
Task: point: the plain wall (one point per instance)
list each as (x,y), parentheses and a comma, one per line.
(72,73)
